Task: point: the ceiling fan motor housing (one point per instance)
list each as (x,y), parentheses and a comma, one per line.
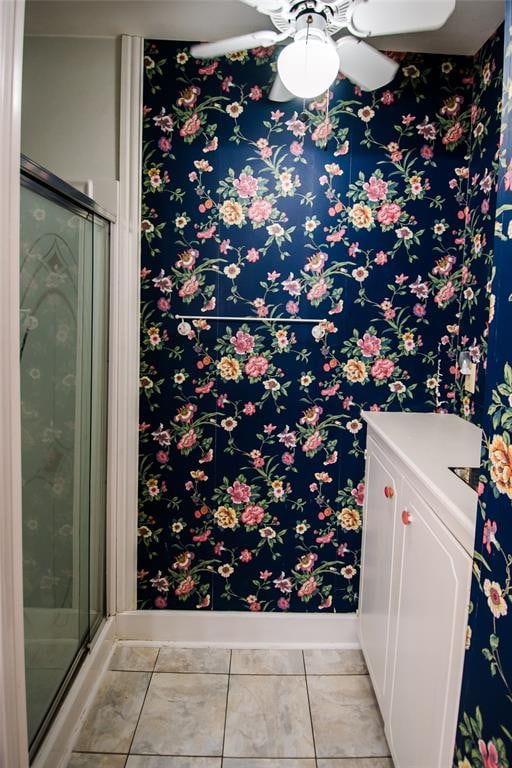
(334,14)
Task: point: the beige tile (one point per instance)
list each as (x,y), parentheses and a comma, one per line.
(346,719)
(144,761)
(271,662)
(320,662)
(182,715)
(113,715)
(268,716)
(134,658)
(244,762)
(358,762)
(90,760)
(195,660)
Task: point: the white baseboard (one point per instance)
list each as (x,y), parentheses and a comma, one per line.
(230,629)
(56,748)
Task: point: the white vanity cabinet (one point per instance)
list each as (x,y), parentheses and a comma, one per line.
(418,535)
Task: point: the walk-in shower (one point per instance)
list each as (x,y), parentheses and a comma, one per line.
(64,267)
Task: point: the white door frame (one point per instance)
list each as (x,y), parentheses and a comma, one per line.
(13,719)
(125,331)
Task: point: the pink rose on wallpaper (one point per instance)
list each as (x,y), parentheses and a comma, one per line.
(296,148)
(240,492)
(163,305)
(369,345)
(453,134)
(245,556)
(256,366)
(308,588)
(209,69)
(444,294)
(389,213)
(382,368)
(326,538)
(288,458)
(252,255)
(191,126)
(246,186)
(376,189)
(336,237)
(189,287)
(164,143)
(283,603)
(188,440)
(252,515)
(358,494)
(317,290)
(242,342)
(322,131)
(260,211)
(313,442)
(185,586)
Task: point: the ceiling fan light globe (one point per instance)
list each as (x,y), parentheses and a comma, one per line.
(308,67)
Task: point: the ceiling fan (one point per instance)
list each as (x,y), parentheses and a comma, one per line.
(307,66)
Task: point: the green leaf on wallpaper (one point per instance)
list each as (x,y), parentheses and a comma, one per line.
(481,559)
(479,721)
(505,730)
(494,641)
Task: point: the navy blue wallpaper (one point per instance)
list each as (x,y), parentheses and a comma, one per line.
(485,728)
(350,211)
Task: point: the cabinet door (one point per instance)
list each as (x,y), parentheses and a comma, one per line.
(377,555)
(434,579)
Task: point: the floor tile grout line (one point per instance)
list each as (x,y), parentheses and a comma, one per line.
(226,709)
(216,757)
(309,707)
(142,707)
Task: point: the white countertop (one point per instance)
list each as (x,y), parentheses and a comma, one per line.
(429,443)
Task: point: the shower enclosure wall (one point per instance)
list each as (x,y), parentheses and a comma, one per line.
(64,272)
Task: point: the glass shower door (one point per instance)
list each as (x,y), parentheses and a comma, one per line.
(64,266)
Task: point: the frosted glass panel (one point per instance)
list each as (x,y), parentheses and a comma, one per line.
(62,308)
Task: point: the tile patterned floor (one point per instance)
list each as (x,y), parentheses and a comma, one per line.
(214,708)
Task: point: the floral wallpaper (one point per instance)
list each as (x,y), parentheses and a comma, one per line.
(349,212)
(475,294)
(485,729)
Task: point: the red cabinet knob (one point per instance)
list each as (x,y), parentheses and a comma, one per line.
(406,517)
(388,492)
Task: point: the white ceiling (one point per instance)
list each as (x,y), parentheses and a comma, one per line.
(472,22)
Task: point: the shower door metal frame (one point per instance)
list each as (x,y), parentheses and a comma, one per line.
(13,717)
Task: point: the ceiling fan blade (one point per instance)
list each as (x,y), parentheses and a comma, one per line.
(234,44)
(267,6)
(363,65)
(279,92)
(368,18)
